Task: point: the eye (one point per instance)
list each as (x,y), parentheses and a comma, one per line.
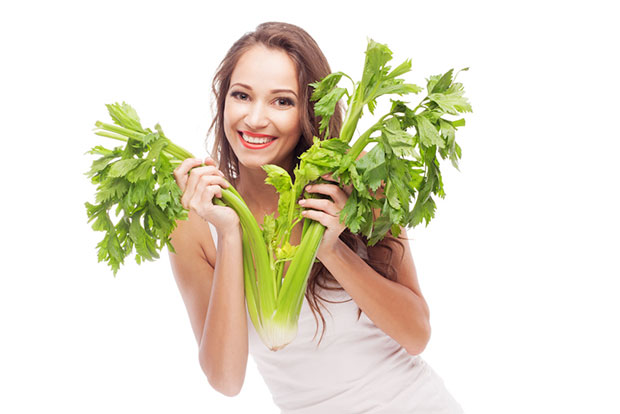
(283,101)
(239,95)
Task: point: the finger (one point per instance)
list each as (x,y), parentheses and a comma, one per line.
(212,191)
(208,180)
(210,161)
(202,200)
(322,204)
(323,218)
(208,175)
(348,189)
(205,179)
(329,177)
(331,190)
(197,201)
(180,173)
(198,172)
(193,177)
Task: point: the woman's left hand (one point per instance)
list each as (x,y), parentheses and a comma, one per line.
(326,211)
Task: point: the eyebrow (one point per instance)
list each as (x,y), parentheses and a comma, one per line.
(272,91)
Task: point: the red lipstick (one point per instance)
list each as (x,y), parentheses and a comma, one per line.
(255,135)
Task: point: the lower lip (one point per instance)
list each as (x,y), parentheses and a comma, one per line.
(255,146)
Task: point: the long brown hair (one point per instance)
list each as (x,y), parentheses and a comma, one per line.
(311,66)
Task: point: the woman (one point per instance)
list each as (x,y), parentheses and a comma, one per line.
(366,359)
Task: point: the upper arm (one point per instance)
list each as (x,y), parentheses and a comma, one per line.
(403,264)
(192,265)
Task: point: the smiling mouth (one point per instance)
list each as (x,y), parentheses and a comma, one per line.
(255,141)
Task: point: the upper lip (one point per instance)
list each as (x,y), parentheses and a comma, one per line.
(255,135)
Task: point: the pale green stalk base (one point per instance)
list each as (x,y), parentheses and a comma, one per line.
(274,303)
(276,335)
(276,324)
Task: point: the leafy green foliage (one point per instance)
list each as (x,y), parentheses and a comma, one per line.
(137,201)
(395,181)
(281,180)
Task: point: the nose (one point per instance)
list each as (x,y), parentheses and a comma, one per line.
(256,118)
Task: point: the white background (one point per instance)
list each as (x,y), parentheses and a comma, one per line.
(519,268)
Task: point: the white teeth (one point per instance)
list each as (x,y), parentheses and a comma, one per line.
(256,140)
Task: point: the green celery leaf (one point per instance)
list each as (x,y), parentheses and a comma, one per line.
(122,167)
(326,106)
(139,236)
(125,116)
(353,220)
(269,228)
(403,113)
(162,224)
(142,172)
(381,226)
(156,147)
(103,222)
(321,158)
(112,189)
(371,166)
(336,147)
(149,139)
(442,83)
(140,192)
(98,166)
(429,135)
(398,87)
(452,100)
(113,249)
(423,211)
(278,177)
(400,142)
(391,193)
(287,206)
(286,252)
(325,85)
(448,132)
(377,55)
(167,193)
(400,69)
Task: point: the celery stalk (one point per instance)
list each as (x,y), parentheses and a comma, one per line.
(139,180)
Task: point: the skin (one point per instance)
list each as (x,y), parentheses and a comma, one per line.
(263,99)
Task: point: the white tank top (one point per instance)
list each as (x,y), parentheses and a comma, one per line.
(357,368)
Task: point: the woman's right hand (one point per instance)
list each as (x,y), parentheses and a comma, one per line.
(199,185)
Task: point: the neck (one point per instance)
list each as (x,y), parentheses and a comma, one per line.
(259,196)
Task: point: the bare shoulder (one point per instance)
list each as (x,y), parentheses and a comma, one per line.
(192,238)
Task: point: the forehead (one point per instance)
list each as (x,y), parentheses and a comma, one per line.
(265,69)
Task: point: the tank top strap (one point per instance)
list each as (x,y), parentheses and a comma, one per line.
(213,234)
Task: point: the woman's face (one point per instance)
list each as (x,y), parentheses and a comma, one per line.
(261,112)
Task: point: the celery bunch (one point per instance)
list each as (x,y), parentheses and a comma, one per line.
(137,181)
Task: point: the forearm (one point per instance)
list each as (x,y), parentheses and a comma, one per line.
(224,343)
(391,306)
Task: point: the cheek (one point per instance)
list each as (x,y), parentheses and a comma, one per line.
(232,114)
(289,122)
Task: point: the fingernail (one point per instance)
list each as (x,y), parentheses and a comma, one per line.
(302,202)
